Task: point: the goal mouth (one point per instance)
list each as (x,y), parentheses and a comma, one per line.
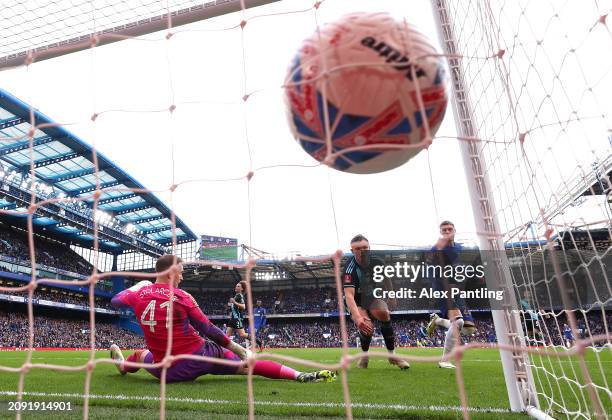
(204,101)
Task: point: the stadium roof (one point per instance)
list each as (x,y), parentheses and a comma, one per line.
(64,167)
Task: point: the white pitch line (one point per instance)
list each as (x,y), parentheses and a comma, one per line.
(372,360)
(381,360)
(269,403)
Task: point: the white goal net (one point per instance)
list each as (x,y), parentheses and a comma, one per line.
(532,104)
(532,99)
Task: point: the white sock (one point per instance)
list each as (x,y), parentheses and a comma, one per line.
(451,335)
(442,322)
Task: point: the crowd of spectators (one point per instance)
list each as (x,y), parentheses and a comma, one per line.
(14,243)
(325,332)
(306,301)
(296,301)
(589,325)
(293,301)
(63,333)
(60,295)
(279,332)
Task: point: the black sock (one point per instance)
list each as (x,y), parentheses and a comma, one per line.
(365,341)
(387,332)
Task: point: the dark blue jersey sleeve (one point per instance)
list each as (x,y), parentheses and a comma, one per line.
(349,274)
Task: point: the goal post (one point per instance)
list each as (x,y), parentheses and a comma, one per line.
(519,383)
(532,134)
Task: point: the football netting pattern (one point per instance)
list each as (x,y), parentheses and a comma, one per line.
(537,79)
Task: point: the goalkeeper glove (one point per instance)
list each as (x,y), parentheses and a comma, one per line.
(238,350)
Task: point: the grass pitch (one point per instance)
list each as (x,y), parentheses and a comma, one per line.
(382,391)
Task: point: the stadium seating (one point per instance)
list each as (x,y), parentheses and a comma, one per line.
(62,333)
(65,332)
(14,243)
(53,294)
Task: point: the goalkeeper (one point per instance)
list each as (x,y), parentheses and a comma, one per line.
(151,305)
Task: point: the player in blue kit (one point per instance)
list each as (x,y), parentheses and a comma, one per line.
(260,321)
(567,334)
(455,317)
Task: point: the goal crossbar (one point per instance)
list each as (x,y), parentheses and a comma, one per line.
(137,28)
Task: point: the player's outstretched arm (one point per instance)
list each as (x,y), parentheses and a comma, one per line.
(209,330)
(364,324)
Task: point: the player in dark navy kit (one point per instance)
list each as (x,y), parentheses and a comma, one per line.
(362,307)
(455,317)
(531,319)
(237,304)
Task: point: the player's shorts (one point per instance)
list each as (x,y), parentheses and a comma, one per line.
(446,304)
(371,301)
(189,370)
(235,324)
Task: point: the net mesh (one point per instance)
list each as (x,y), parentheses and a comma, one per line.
(536,77)
(48,29)
(538,81)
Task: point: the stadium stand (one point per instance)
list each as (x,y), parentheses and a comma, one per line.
(57,332)
(59,295)
(51,253)
(303,319)
(277,302)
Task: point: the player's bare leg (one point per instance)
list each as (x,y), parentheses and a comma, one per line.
(380,311)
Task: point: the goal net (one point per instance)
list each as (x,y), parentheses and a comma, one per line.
(200,102)
(531,82)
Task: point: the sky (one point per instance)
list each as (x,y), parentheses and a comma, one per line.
(213,138)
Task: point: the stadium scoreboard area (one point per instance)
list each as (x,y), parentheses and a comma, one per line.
(218,248)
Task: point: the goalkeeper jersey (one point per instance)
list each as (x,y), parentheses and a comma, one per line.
(151,305)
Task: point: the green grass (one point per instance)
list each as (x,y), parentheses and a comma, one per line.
(395,393)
